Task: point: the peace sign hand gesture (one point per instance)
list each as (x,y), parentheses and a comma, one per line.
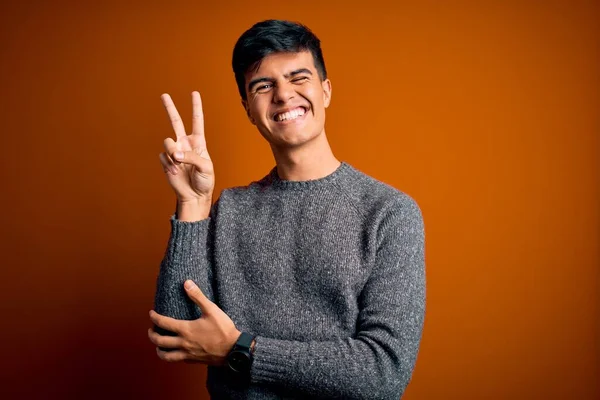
(186,162)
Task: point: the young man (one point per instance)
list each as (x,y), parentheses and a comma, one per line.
(309,283)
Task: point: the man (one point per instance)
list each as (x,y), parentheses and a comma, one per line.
(308,283)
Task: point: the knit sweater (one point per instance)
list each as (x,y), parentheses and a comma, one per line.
(329,275)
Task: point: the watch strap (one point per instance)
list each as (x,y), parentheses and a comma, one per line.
(244,341)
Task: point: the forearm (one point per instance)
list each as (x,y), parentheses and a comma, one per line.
(186,257)
(370,366)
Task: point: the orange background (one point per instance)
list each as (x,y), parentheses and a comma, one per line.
(485,112)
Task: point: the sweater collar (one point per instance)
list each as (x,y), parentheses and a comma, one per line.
(274,179)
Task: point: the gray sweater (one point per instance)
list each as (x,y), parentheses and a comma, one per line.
(329,274)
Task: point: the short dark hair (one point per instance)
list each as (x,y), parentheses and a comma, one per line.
(273,36)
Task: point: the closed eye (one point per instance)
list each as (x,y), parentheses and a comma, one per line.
(300,79)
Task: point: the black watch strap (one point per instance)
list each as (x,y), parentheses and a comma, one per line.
(244,341)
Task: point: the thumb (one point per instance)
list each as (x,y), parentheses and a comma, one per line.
(194,293)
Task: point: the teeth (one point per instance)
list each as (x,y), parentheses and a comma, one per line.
(290,114)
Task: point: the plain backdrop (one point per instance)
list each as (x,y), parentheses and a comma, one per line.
(485,112)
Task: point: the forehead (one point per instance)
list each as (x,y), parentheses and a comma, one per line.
(277,64)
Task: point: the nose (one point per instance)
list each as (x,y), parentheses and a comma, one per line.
(283,92)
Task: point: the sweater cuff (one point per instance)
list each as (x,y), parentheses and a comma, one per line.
(188,239)
(272,361)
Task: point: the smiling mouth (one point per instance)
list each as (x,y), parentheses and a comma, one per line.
(291,115)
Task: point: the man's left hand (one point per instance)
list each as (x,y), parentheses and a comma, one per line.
(206,340)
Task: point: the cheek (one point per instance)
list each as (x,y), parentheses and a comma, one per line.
(318,95)
(257,110)
(313,97)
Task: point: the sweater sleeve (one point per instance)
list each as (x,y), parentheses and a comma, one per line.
(376,363)
(188,256)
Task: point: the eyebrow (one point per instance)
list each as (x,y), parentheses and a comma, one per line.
(253,82)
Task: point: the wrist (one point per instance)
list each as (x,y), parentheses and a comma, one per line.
(241,356)
(193,210)
(233,338)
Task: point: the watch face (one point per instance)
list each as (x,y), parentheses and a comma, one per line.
(239,361)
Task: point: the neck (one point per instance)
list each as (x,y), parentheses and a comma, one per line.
(312,160)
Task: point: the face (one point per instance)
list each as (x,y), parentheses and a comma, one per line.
(286,99)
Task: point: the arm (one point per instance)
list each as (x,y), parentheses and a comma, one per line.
(187,257)
(190,172)
(377,363)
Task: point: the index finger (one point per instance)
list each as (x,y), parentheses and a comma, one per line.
(198,118)
(168,323)
(173,115)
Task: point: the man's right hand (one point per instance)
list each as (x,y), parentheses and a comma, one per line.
(186,161)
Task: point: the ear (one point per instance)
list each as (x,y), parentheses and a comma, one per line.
(245,105)
(326,84)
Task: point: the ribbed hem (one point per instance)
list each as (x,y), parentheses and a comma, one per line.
(272,362)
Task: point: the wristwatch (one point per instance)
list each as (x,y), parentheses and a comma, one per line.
(240,357)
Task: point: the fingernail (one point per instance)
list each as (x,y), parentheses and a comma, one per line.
(178,155)
(189,285)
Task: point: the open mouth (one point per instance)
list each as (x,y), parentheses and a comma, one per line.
(297,113)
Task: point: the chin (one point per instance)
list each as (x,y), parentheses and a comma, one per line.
(294,140)
(285,138)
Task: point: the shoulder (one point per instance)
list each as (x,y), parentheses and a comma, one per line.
(375,199)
